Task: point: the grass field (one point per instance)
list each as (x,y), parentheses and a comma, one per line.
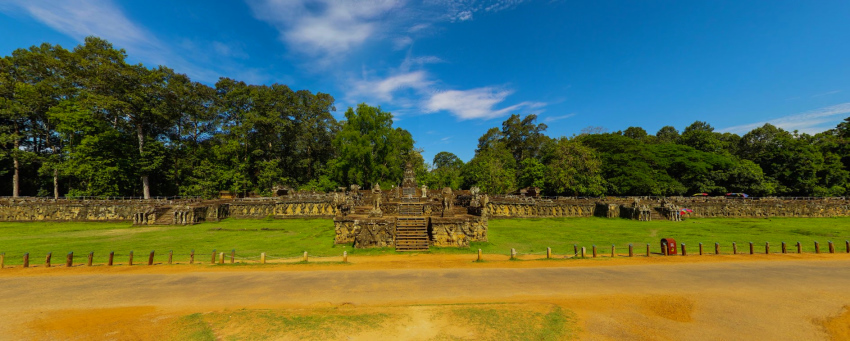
(291,237)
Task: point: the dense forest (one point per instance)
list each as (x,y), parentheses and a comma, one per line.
(85,122)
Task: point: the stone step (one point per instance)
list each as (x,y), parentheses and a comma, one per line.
(412,249)
(164,216)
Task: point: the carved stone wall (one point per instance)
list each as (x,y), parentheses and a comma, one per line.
(457,232)
(281,209)
(365,233)
(150,212)
(539,209)
(42,210)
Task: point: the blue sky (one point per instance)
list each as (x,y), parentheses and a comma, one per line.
(449,70)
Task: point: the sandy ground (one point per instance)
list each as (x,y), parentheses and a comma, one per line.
(776,297)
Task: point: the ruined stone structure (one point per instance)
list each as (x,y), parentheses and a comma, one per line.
(412,217)
(409,218)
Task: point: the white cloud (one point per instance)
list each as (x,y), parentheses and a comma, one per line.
(810,122)
(229,50)
(418,27)
(833,92)
(464,10)
(475,103)
(330,28)
(550,119)
(462,16)
(324,27)
(402,42)
(383,89)
(79,19)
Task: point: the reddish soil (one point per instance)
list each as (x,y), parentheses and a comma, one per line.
(655,298)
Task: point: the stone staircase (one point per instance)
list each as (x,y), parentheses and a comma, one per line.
(164,216)
(411,233)
(410,209)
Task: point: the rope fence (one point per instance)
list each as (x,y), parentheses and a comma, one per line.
(133,258)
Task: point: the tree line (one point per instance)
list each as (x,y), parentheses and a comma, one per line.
(85,122)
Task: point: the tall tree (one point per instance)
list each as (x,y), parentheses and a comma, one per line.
(369,150)
(447,171)
(523,137)
(574,169)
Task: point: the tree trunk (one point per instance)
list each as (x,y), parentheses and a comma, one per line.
(146,187)
(55,183)
(16,178)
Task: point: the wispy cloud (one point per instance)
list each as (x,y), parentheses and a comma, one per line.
(383,89)
(478,103)
(833,92)
(810,122)
(324,27)
(80,18)
(330,28)
(550,119)
(465,10)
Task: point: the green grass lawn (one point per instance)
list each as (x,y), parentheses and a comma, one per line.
(291,237)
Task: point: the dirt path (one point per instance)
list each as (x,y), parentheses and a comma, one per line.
(732,299)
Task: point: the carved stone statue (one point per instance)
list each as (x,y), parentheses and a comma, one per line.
(377,196)
(424,191)
(448,202)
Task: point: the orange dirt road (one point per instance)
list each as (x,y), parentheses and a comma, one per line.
(784,299)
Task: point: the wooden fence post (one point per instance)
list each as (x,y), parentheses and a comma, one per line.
(213,257)
(684,251)
(131,258)
(613,254)
(799,248)
(47,259)
(716,248)
(847,246)
(583,252)
(479,255)
(150,258)
(27,260)
(734,248)
(784,248)
(69,260)
(751,247)
(767,248)
(91,257)
(594,251)
(647,249)
(575,250)
(817,247)
(305,256)
(700,249)
(232,255)
(192,256)
(831,247)
(221,258)
(2,260)
(170,256)
(548,253)
(631,251)
(513,254)
(263,257)
(111,257)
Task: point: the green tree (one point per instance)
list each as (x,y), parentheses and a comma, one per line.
(447,171)
(574,169)
(369,150)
